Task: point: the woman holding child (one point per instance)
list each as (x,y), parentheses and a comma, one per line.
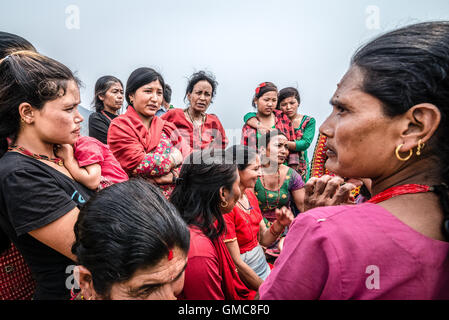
(146,145)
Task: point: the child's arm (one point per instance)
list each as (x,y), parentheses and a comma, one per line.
(89,176)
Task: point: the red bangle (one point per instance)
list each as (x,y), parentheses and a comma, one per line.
(274,233)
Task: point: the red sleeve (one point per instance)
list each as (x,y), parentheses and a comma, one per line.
(202,279)
(224,139)
(125,144)
(87,151)
(229,219)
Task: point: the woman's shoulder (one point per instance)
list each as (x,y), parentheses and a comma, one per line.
(19,170)
(95,115)
(200,244)
(342,217)
(14,161)
(174,112)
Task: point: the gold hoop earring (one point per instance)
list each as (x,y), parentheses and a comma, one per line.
(399,157)
(421,146)
(224,206)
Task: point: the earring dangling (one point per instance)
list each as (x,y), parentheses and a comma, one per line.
(399,157)
(226,204)
(421,146)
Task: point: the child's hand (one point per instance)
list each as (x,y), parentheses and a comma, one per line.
(65,151)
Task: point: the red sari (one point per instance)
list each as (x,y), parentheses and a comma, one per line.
(211,273)
(212,132)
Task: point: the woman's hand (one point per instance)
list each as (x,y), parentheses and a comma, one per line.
(165,179)
(328,191)
(263,129)
(284,216)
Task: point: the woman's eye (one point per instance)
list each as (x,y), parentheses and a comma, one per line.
(339,109)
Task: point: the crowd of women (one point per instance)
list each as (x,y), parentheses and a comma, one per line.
(154,203)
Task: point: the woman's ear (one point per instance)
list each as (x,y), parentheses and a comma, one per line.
(27,112)
(84,278)
(224,193)
(101,97)
(131,98)
(421,123)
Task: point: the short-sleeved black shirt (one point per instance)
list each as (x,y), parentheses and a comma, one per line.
(32,195)
(99,125)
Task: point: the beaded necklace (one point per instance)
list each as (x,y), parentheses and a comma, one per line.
(27,153)
(400,190)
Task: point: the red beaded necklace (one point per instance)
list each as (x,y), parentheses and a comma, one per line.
(400,190)
(27,153)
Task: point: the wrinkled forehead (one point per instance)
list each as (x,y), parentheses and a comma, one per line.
(352,81)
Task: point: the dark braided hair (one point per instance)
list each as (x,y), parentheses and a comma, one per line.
(410,66)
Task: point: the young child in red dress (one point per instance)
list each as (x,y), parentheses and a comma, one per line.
(91,163)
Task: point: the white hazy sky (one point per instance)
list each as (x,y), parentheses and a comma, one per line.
(305,44)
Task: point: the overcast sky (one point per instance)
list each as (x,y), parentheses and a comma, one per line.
(305,44)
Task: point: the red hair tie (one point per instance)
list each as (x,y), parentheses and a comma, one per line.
(263,84)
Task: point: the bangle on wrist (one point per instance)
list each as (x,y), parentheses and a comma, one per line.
(276,233)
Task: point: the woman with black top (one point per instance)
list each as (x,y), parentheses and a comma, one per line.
(107,103)
(40,200)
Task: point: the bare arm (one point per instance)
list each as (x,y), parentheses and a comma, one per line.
(248,276)
(88,176)
(284,217)
(59,234)
(298,198)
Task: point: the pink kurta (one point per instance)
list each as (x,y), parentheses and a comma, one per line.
(357,252)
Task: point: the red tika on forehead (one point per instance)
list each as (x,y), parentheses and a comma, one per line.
(170,255)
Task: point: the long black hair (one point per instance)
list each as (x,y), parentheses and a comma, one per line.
(407,67)
(126,227)
(197,194)
(10,42)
